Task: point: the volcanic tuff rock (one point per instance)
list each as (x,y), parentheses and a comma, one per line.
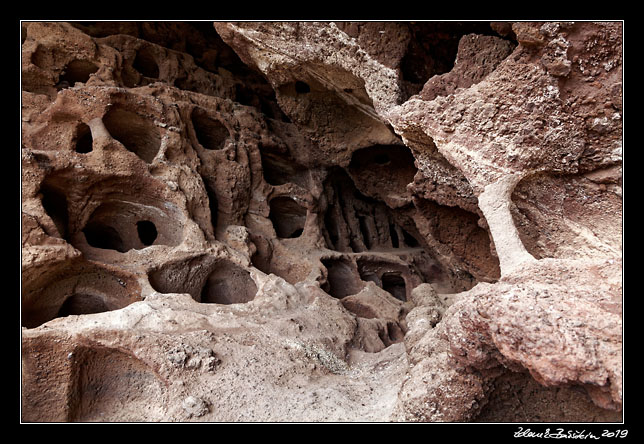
(303,221)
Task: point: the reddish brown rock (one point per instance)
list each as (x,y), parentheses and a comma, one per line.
(352,221)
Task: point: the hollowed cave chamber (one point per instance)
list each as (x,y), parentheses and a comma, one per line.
(125,225)
(375,253)
(206,279)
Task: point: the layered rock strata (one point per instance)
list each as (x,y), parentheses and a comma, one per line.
(303,221)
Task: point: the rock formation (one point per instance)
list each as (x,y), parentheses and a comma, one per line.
(303,221)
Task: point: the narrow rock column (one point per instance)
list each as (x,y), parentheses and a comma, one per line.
(494,202)
(100,135)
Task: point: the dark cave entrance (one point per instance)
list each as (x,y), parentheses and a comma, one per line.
(147,232)
(77,70)
(394,284)
(288,217)
(432,50)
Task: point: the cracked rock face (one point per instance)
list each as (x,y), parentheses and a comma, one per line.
(398,221)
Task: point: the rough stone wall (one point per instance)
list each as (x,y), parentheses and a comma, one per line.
(303,221)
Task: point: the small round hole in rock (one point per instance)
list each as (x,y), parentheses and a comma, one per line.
(147,232)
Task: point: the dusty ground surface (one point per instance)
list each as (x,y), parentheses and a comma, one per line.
(301,222)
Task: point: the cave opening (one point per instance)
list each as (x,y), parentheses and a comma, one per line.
(54,202)
(136,133)
(206,279)
(147,232)
(302,87)
(399,156)
(81,290)
(288,217)
(211,133)
(273,170)
(280,169)
(379,168)
(390,275)
(469,243)
(354,222)
(77,70)
(213,206)
(432,50)
(342,278)
(258,93)
(394,284)
(83,139)
(228,284)
(381,159)
(122,223)
(145,63)
(331,232)
(100,235)
(409,240)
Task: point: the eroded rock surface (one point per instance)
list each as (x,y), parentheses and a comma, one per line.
(409,221)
